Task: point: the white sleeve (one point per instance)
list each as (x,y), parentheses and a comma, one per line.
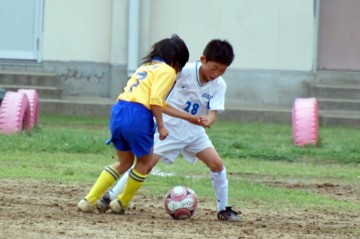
(217,102)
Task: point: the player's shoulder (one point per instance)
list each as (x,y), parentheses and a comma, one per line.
(161,71)
(158,68)
(220,82)
(188,72)
(189,66)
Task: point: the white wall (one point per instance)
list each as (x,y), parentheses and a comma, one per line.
(77,30)
(119,31)
(266,34)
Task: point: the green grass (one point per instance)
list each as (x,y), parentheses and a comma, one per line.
(72,150)
(274,142)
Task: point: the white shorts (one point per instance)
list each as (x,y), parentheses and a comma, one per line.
(170,148)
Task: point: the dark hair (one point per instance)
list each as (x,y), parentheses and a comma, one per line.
(220,51)
(172,50)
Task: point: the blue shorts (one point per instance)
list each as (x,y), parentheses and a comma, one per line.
(132,128)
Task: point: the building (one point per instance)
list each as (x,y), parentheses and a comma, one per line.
(281,46)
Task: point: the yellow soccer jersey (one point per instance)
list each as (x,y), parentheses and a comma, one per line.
(150,84)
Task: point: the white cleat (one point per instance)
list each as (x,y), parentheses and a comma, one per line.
(85,206)
(116,207)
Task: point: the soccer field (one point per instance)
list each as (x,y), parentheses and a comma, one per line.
(281,191)
(40,209)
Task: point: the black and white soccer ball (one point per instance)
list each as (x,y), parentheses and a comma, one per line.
(181,202)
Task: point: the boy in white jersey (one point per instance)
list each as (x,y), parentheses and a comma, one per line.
(200,91)
(132,121)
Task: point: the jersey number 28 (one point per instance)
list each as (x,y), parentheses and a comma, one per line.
(191,108)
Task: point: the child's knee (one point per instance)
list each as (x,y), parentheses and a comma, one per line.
(217,167)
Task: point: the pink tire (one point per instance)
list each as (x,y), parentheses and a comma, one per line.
(305,121)
(34,105)
(15,113)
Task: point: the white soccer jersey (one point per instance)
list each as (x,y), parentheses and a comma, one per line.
(190,96)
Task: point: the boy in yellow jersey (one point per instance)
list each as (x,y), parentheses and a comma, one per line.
(132,124)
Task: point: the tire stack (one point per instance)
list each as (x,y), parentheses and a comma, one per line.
(18,111)
(305,121)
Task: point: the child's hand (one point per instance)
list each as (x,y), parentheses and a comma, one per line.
(204,121)
(194,120)
(163,132)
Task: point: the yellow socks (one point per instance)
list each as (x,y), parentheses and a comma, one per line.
(106,179)
(134,182)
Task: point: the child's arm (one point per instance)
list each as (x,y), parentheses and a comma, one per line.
(157,113)
(169,110)
(209,119)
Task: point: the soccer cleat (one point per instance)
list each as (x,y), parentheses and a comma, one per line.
(116,207)
(228,215)
(102,205)
(85,206)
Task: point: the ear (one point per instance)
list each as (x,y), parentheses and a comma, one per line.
(202,59)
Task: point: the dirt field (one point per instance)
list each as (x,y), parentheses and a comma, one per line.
(48,210)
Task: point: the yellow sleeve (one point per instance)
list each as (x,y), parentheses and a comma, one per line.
(161,87)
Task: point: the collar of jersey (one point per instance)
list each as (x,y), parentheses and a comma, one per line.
(158,59)
(197,74)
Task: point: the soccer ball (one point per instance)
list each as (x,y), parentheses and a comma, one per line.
(180,202)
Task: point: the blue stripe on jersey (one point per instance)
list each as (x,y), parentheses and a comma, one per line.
(159,59)
(197,74)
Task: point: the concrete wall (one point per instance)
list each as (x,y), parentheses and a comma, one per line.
(276,34)
(85,42)
(266,87)
(77,30)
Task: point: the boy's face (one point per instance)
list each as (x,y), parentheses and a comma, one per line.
(211,69)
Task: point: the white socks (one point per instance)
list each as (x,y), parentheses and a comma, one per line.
(119,186)
(218,179)
(220,185)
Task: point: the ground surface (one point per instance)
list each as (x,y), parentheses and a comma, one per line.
(48,210)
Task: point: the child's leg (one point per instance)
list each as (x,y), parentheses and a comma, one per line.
(107,178)
(121,183)
(119,186)
(218,175)
(220,185)
(137,176)
(109,175)
(134,182)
